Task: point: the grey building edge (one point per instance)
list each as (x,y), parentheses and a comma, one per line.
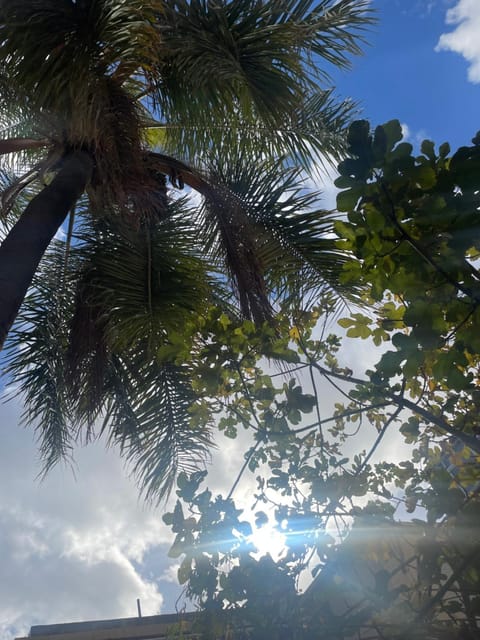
(133,624)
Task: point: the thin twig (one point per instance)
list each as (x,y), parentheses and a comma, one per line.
(241,418)
(149,269)
(444,588)
(378,439)
(244,466)
(317,407)
(467,439)
(344,414)
(247,393)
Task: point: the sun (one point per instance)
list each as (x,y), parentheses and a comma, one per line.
(268,539)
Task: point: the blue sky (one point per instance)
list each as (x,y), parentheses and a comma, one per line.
(86,548)
(401,75)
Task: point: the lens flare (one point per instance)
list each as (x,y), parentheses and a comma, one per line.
(268,539)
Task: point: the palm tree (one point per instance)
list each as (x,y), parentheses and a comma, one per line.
(227,93)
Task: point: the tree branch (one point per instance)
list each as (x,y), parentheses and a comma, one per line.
(467,439)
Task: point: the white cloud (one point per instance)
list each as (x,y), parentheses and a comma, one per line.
(45,580)
(85,546)
(406,131)
(170,573)
(323,181)
(465,38)
(70,549)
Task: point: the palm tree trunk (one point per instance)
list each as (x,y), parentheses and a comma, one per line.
(24,246)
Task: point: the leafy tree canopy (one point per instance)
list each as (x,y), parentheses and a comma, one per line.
(374,546)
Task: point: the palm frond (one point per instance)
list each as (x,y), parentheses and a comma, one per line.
(155,432)
(146,279)
(134,287)
(16,191)
(34,358)
(247,68)
(230,239)
(15,145)
(316,133)
(94,317)
(17,119)
(57,51)
(243,53)
(310,135)
(68,62)
(236,80)
(21,146)
(228,236)
(292,238)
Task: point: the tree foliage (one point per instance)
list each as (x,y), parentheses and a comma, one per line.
(222,97)
(412,227)
(375,545)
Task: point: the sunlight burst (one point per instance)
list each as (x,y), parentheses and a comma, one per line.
(268,539)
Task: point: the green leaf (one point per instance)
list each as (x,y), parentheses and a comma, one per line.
(225,321)
(428,149)
(401,151)
(178,519)
(458,380)
(404,342)
(344,182)
(425,177)
(410,430)
(168,518)
(359,331)
(380,142)
(347,200)
(393,133)
(444,150)
(358,138)
(184,570)
(345,230)
(346,322)
(261,519)
(389,365)
(177,548)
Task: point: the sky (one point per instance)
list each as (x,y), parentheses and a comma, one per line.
(84,546)
(422,66)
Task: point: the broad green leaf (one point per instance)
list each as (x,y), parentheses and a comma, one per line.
(347,200)
(393,133)
(428,148)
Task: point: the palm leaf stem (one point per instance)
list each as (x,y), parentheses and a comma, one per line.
(68,242)
(179,170)
(14,145)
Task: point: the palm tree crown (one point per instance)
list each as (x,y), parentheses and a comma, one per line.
(104,101)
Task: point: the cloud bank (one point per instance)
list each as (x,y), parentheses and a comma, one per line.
(71,549)
(465,38)
(84,546)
